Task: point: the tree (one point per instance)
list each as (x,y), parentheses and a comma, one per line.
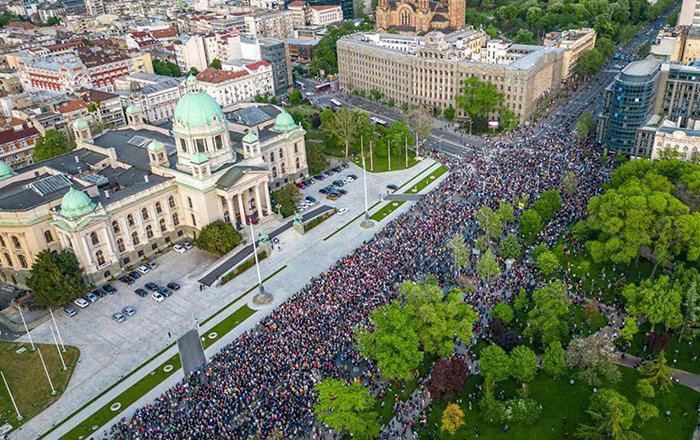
(347,408)
(193,72)
(548,316)
(509,120)
(569,183)
(452,418)
(523,363)
(511,248)
(547,263)
(166,68)
(342,125)
(524,36)
(438,321)
(449,376)
(495,364)
(548,204)
(553,360)
(394,342)
(460,252)
(487,266)
(630,329)
(690,325)
(646,411)
(606,47)
(657,341)
(420,124)
(505,212)
(449,113)
(659,300)
(657,373)
(53,143)
(594,357)
(645,389)
(479,99)
(218,237)
(287,198)
(589,63)
(612,418)
(530,226)
(215,63)
(584,125)
(504,312)
(490,222)
(295,97)
(399,135)
(521,301)
(55,278)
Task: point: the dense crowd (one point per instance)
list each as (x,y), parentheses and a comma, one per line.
(263,381)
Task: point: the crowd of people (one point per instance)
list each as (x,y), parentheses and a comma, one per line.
(262,383)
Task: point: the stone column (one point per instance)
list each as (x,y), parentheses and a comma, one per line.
(267,198)
(112,244)
(229,207)
(258,202)
(88,251)
(241,208)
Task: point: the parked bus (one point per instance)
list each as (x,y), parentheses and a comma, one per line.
(378,121)
(323,87)
(301,85)
(336,103)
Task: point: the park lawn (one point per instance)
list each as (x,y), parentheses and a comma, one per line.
(686,349)
(27,380)
(386,210)
(380,164)
(561,400)
(427,180)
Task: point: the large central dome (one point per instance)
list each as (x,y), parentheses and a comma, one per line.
(197,109)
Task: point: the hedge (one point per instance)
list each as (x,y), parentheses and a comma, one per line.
(247,264)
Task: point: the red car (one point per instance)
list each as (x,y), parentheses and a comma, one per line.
(300,185)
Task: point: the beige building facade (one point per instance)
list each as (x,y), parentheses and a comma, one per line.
(574,42)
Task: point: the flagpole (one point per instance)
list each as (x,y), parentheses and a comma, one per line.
(364,177)
(371,157)
(388,152)
(25,327)
(19,416)
(405,139)
(57,332)
(58,349)
(46,370)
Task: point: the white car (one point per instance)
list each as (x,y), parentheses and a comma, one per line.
(144,269)
(187,245)
(157,297)
(81,302)
(342,211)
(179,249)
(349,179)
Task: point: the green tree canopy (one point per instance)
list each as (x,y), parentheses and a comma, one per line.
(495,364)
(548,316)
(658,300)
(288,198)
(589,63)
(479,99)
(295,97)
(548,205)
(347,408)
(460,252)
(553,360)
(55,278)
(218,237)
(547,263)
(215,63)
(523,363)
(504,312)
(166,68)
(53,143)
(487,266)
(530,225)
(511,248)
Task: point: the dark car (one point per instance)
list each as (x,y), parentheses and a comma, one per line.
(323,190)
(319,177)
(342,191)
(311,199)
(99,292)
(70,311)
(152,286)
(109,289)
(336,169)
(174,286)
(338,183)
(142,293)
(127,280)
(165,292)
(353,176)
(344,165)
(392,187)
(135,274)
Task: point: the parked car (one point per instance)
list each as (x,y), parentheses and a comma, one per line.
(300,185)
(144,269)
(92,297)
(336,169)
(319,177)
(135,274)
(109,289)
(352,176)
(338,182)
(100,293)
(342,211)
(187,245)
(165,292)
(141,292)
(174,286)
(392,187)
(129,311)
(311,199)
(70,311)
(119,317)
(127,280)
(157,297)
(332,197)
(152,286)
(81,302)
(249,220)
(342,191)
(344,165)
(180,249)
(349,179)
(152,265)
(323,190)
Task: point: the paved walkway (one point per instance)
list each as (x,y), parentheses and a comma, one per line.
(685,378)
(406,197)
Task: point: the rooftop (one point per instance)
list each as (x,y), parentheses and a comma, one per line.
(642,68)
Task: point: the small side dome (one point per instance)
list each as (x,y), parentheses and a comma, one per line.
(133,109)
(156,146)
(76,203)
(199,158)
(80,124)
(284,122)
(5,171)
(250,137)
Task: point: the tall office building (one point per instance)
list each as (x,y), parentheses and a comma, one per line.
(690,13)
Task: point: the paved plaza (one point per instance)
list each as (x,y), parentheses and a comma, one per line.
(110,350)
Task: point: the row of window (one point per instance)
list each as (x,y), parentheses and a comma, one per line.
(145,216)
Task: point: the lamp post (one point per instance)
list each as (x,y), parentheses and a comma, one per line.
(261,297)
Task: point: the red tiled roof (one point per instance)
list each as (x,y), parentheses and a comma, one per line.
(257,64)
(215,76)
(164,33)
(324,7)
(93,95)
(21,25)
(71,106)
(56,47)
(11,135)
(296,4)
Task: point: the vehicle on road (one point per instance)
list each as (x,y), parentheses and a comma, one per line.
(152,286)
(141,292)
(129,311)
(157,297)
(91,297)
(174,286)
(179,249)
(109,289)
(342,210)
(332,197)
(119,317)
(322,87)
(336,103)
(378,121)
(81,302)
(392,187)
(70,311)
(144,269)
(165,292)
(311,199)
(127,280)
(301,85)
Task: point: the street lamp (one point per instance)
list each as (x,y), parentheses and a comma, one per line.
(261,297)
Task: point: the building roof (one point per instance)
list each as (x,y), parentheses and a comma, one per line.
(641,68)
(76,203)
(71,106)
(234,174)
(93,95)
(215,76)
(164,33)
(197,109)
(6,171)
(256,65)
(253,115)
(12,135)
(296,4)
(131,146)
(284,122)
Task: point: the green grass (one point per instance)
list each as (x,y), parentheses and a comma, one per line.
(380,164)
(419,175)
(561,400)
(27,380)
(684,357)
(430,178)
(390,207)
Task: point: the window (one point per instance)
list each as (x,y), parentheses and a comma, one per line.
(94,238)
(194,221)
(154,246)
(22,261)
(274,172)
(115,227)
(135,238)
(282,168)
(130,220)
(120,245)
(48,236)
(180,233)
(140,253)
(144,214)
(108,274)
(8,260)
(15,242)
(171,201)
(176,220)
(149,231)
(281,153)
(272,156)
(100,258)
(159,208)
(219,142)
(296,148)
(127,260)
(183,145)
(298,163)
(201,145)
(162,225)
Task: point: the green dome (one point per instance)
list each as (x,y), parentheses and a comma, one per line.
(199,158)
(80,124)
(197,109)
(250,137)
(76,203)
(133,109)
(5,171)
(155,146)
(284,122)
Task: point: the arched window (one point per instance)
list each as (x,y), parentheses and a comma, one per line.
(189,202)
(115,227)
(281,153)
(176,219)
(183,145)
(171,201)
(100,258)
(194,221)
(48,236)
(162,225)
(298,163)
(8,260)
(201,145)
(282,168)
(159,208)
(405,18)
(219,142)
(130,219)
(94,238)
(22,261)
(272,156)
(120,245)
(149,231)
(135,238)
(296,148)
(274,172)
(15,242)
(144,214)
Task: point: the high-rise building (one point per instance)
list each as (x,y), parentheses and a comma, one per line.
(689,14)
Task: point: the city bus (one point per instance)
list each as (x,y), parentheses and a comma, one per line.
(336,103)
(378,121)
(300,84)
(323,87)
